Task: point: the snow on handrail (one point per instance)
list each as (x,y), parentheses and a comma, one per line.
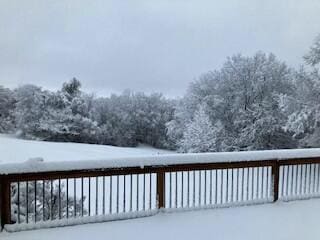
(40,165)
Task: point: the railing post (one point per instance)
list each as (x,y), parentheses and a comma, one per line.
(275,177)
(5,202)
(161,189)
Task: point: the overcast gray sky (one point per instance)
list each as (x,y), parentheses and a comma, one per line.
(146,45)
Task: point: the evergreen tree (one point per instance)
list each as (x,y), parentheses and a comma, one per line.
(200,135)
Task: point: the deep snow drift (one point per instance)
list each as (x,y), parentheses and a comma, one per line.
(281,221)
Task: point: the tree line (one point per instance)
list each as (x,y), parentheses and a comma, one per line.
(71,115)
(252,102)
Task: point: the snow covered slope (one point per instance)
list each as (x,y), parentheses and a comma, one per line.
(13,150)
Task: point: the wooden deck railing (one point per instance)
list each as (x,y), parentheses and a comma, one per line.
(44,199)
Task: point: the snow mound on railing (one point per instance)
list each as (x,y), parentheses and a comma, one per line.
(40,165)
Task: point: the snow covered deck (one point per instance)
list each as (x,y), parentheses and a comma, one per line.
(294,221)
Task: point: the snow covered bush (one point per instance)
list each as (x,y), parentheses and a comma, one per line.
(47,207)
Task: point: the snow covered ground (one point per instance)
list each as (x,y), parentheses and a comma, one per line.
(15,150)
(281,221)
(48,156)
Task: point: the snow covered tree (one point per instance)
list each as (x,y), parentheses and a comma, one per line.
(72,88)
(313,57)
(132,118)
(304,116)
(200,135)
(7,107)
(150,114)
(242,95)
(303,119)
(30,108)
(55,116)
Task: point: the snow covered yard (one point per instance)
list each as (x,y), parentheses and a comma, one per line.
(18,155)
(294,220)
(18,150)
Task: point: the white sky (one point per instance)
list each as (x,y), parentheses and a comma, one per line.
(151,46)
